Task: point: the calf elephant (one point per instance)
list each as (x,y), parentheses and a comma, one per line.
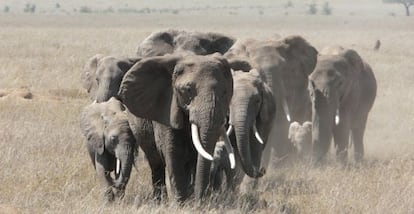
(284,65)
(343,90)
(187,98)
(252,110)
(102,76)
(171,41)
(110,143)
(300,135)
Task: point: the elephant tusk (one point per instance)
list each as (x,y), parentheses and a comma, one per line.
(337,120)
(257,135)
(230,150)
(197,144)
(94,102)
(118,166)
(286,109)
(229,130)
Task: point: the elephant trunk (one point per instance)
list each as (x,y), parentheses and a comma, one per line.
(321,133)
(125,156)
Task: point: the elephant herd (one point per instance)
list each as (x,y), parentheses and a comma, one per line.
(201,105)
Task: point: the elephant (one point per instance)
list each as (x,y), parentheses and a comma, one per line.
(342,89)
(187,98)
(102,75)
(252,111)
(284,64)
(300,135)
(172,41)
(110,143)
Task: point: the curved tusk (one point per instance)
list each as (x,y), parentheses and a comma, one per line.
(337,120)
(94,102)
(118,166)
(197,144)
(257,135)
(230,151)
(229,130)
(286,109)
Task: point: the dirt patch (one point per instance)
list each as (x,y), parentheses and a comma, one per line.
(8,209)
(23,92)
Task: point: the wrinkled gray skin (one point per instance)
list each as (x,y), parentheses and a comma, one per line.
(102,75)
(173,41)
(174,92)
(341,82)
(252,104)
(109,137)
(285,65)
(300,135)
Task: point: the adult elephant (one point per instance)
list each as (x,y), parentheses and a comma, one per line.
(284,65)
(171,41)
(102,75)
(187,98)
(252,110)
(110,143)
(343,90)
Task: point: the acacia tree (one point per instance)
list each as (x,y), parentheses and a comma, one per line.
(406,3)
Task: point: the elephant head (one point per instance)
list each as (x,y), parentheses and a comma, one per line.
(102,75)
(170,41)
(331,86)
(110,143)
(301,137)
(183,91)
(252,110)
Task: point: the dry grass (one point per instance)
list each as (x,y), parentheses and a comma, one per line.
(45,167)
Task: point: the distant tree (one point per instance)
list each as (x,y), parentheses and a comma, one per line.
(312,8)
(30,8)
(6,9)
(57,5)
(326,9)
(288,4)
(406,3)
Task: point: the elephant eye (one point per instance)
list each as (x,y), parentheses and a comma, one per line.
(186,93)
(113,139)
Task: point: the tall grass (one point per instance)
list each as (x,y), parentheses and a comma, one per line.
(45,167)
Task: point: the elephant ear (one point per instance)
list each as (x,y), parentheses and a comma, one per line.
(157,44)
(293,128)
(298,48)
(216,42)
(126,63)
(92,127)
(147,91)
(268,107)
(89,75)
(354,60)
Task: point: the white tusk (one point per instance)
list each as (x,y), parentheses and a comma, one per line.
(230,151)
(229,130)
(337,117)
(286,109)
(118,166)
(257,135)
(197,144)
(94,102)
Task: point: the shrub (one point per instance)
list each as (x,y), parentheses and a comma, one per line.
(85,9)
(57,6)
(326,9)
(312,10)
(288,4)
(29,8)
(6,9)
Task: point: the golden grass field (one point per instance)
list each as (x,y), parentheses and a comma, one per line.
(43,160)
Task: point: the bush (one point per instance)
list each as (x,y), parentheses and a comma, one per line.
(29,8)
(6,9)
(57,6)
(312,8)
(85,9)
(326,9)
(288,4)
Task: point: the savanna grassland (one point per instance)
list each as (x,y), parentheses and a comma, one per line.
(43,160)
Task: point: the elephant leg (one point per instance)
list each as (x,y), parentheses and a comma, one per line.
(341,137)
(172,144)
(102,164)
(157,169)
(358,131)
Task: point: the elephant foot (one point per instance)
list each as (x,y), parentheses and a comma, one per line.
(109,195)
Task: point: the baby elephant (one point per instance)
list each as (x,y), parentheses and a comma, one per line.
(110,143)
(301,138)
